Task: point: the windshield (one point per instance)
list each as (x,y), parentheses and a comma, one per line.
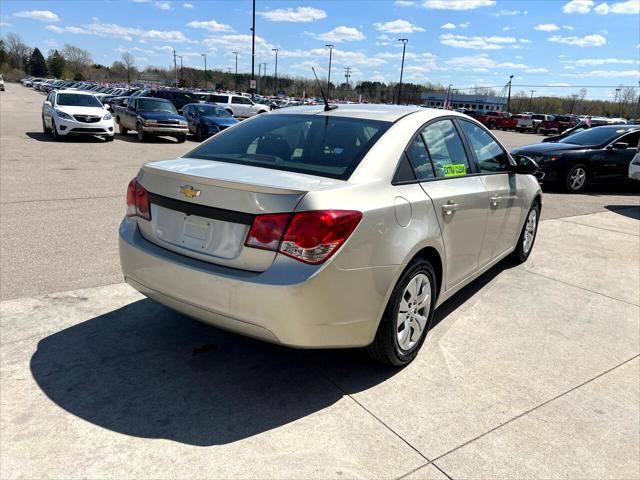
(211,111)
(316,145)
(593,136)
(148,105)
(78,100)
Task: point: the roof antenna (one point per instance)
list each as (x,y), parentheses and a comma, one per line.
(327,107)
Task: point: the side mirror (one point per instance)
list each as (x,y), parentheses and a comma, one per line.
(47,102)
(524,165)
(618,146)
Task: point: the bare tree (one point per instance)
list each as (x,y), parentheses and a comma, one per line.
(129,64)
(78,60)
(17,51)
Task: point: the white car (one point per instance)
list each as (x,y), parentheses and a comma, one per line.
(237,105)
(634,166)
(1,83)
(73,112)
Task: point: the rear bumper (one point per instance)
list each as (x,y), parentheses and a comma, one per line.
(290,303)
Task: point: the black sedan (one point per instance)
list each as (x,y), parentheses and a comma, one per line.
(205,120)
(597,155)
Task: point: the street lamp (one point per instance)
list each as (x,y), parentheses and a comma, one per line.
(253,53)
(329,75)
(236,79)
(275,81)
(509,95)
(180,81)
(204,55)
(531,100)
(404,47)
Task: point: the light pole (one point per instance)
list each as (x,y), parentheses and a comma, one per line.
(404,47)
(180,80)
(204,55)
(253,51)
(275,81)
(509,95)
(236,79)
(329,75)
(264,75)
(531,100)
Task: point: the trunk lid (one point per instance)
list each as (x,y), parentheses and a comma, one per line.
(204,209)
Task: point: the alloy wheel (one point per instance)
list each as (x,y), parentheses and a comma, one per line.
(529,231)
(577,178)
(414,309)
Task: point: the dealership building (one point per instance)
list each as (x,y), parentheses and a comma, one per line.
(457,100)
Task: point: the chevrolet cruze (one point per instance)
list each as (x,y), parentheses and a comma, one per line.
(315,227)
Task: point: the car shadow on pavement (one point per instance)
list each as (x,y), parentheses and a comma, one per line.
(146,371)
(133,138)
(45,137)
(631,211)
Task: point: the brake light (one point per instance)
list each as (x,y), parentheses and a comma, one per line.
(266,231)
(310,237)
(138,201)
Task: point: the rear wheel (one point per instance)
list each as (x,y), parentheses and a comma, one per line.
(577,178)
(45,129)
(108,138)
(528,234)
(181,138)
(405,322)
(54,130)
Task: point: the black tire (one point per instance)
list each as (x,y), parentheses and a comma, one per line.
(574,187)
(108,138)
(181,138)
(385,347)
(142,136)
(199,133)
(522,251)
(122,130)
(44,126)
(54,131)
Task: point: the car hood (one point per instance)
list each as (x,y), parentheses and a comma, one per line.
(160,116)
(547,148)
(82,110)
(224,121)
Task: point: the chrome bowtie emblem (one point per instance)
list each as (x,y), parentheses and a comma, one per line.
(189,192)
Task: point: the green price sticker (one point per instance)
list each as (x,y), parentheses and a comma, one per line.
(455,169)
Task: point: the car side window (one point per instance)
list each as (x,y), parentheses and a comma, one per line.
(246,101)
(631,138)
(236,100)
(220,98)
(446,149)
(490,156)
(419,158)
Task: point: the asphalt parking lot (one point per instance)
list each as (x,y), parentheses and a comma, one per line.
(529,372)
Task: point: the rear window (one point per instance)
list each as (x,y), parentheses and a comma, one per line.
(313,144)
(220,98)
(559,118)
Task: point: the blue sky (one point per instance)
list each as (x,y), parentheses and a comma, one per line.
(546,43)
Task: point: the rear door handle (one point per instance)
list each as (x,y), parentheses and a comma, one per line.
(449,207)
(495,200)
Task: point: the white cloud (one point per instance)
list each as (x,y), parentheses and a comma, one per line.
(606,74)
(476,42)
(117,31)
(5,24)
(211,25)
(464,25)
(568,27)
(298,14)
(600,61)
(547,27)
(506,29)
(629,7)
(594,40)
(42,15)
(507,13)
(404,3)
(342,34)
(163,5)
(561,84)
(398,26)
(448,26)
(536,70)
(187,5)
(457,4)
(578,6)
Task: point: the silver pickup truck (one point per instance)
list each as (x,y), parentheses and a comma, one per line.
(151,117)
(532,122)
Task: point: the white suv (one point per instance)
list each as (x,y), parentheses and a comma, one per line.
(237,105)
(73,112)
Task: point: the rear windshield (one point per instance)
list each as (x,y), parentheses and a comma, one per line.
(148,105)
(78,100)
(313,144)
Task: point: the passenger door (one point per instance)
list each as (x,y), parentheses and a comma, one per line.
(460,200)
(612,164)
(505,205)
(239,108)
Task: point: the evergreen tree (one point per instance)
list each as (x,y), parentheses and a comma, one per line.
(36,65)
(55,63)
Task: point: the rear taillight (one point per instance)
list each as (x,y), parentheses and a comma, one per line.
(138,201)
(311,237)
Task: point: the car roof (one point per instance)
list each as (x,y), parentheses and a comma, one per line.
(79,92)
(369,111)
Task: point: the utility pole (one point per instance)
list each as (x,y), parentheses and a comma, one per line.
(329,75)
(275,81)
(264,73)
(617,100)
(404,47)
(205,69)
(180,80)
(573,104)
(509,95)
(258,84)
(253,50)
(236,79)
(175,66)
(446,102)
(531,100)
(347,76)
